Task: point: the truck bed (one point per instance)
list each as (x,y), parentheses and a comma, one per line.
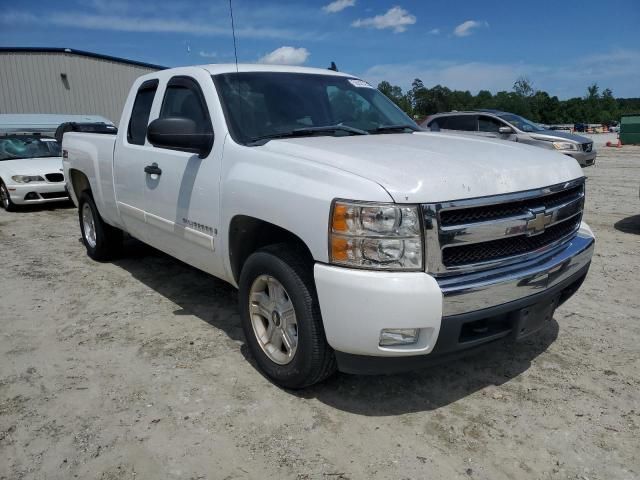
(92,154)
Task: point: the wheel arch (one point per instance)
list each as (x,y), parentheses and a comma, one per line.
(248,234)
(79,182)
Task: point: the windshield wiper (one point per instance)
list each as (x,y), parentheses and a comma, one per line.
(394,128)
(301,132)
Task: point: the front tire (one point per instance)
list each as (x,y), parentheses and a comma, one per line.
(281,317)
(5,198)
(102,241)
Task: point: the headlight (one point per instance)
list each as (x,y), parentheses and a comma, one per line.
(27,178)
(375,236)
(565,146)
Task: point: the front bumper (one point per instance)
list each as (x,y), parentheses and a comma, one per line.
(37,192)
(585,159)
(452,314)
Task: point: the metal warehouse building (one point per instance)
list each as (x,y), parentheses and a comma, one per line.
(66,81)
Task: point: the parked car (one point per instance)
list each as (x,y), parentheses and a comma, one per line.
(30,171)
(31,160)
(356,240)
(508,126)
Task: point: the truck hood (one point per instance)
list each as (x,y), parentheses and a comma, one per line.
(30,166)
(429,167)
(557,135)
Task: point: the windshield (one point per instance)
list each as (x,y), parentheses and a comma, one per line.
(14,147)
(280,104)
(521,123)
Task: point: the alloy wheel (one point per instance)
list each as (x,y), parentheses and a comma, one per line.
(273,319)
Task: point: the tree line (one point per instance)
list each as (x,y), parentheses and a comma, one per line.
(537,105)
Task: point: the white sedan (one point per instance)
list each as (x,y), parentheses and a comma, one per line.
(30,171)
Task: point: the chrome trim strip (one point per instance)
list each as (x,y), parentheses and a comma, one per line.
(505,227)
(468,293)
(510,197)
(474,267)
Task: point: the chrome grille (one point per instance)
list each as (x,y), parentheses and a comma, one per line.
(587,147)
(492,212)
(477,234)
(506,247)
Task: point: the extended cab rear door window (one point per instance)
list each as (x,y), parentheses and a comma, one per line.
(137,130)
(184,98)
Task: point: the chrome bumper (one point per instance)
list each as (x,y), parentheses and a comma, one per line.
(473,292)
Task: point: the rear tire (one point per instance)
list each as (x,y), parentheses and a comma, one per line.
(102,241)
(5,198)
(312,359)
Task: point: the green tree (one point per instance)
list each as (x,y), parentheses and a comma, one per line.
(593,92)
(537,105)
(523,87)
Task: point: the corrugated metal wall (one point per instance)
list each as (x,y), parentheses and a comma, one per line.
(31,82)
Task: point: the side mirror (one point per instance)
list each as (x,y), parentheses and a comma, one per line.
(178,133)
(505,130)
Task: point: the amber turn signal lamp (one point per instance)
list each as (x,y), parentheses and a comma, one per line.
(339,249)
(339,220)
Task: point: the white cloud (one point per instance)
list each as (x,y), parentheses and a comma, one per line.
(286,56)
(617,70)
(132,23)
(434,31)
(204,54)
(396,18)
(467,28)
(338,6)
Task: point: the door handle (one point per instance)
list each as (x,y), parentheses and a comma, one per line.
(153,169)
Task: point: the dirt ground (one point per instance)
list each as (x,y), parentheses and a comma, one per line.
(136,369)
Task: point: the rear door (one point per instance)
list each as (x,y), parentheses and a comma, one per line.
(182,202)
(128,162)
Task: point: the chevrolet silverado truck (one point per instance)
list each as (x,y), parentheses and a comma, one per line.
(357,241)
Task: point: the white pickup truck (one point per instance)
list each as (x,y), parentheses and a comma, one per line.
(357,241)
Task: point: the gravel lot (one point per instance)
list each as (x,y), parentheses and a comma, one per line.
(137,369)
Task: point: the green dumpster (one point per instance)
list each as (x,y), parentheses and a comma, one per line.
(630,129)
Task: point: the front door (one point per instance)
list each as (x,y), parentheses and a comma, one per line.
(181,190)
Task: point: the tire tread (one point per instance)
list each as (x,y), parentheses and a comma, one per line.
(323,361)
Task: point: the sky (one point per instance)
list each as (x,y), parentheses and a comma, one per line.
(561,47)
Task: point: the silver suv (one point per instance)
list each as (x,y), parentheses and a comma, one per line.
(508,126)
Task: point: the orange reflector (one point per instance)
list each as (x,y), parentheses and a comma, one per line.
(339,249)
(339,221)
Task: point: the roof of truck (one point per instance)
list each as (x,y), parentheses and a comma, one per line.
(217,68)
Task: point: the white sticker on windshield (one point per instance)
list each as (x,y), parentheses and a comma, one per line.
(48,140)
(359,83)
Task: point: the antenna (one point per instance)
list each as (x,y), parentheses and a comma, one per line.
(233,30)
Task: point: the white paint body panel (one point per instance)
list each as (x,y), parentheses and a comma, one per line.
(357,304)
(292,183)
(431,167)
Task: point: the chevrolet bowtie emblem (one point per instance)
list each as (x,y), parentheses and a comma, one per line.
(539,222)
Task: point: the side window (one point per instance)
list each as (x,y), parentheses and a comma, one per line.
(137,130)
(489,124)
(466,123)
(184,98)
(437,124)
